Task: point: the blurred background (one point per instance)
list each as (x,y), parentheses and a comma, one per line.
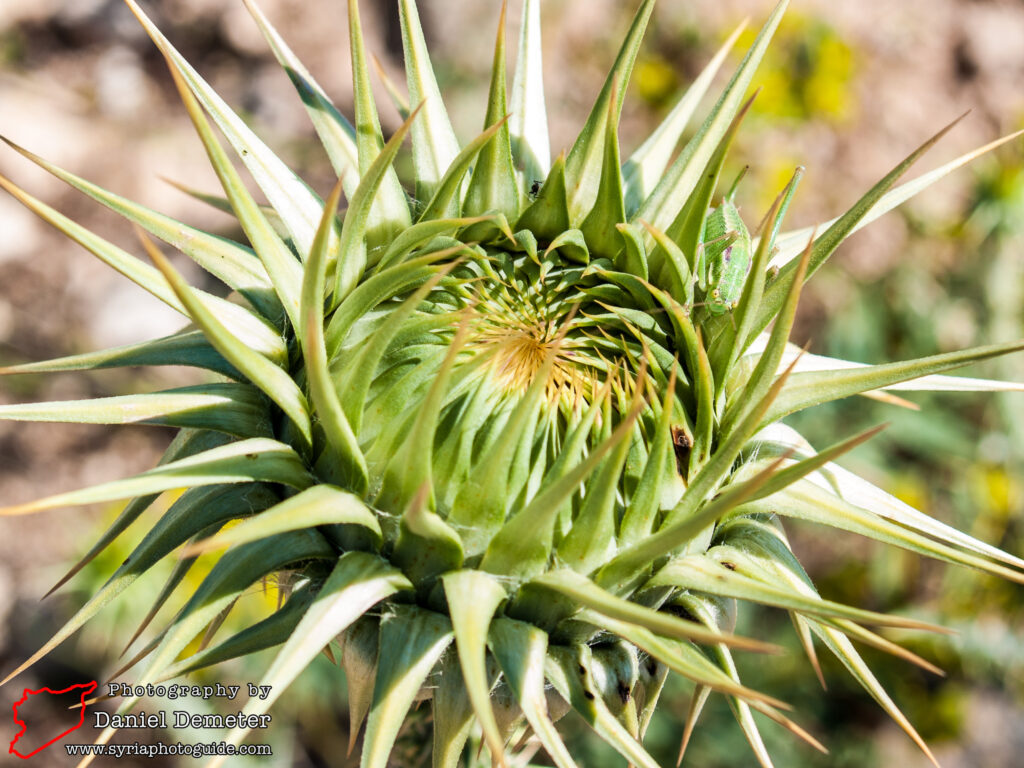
(848,89)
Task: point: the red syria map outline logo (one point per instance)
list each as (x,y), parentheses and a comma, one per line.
(87,688)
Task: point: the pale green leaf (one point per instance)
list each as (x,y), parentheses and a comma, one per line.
(860,492)
(682,177)
(586,158)
(453,714)
(232,574)
(347,460)
(352,252)
(445,200)
(569,670)
(584,592)
(792,243)
(297,205)
(358,582)
(336,133)
(493,186)
(266,633)
(187,442)
(805,500)
(531,146)
(254,332)
(193,512)
(473,597)
(233,408)
(280,263)
(647,164)
(434,145)
(810,388)
(256,459)
(825,245)
(521,650)
(276,383)
(317,506)
(184,348)
(389,214)
(411,642)
(230,262)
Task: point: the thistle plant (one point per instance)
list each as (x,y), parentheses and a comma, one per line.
(509,437)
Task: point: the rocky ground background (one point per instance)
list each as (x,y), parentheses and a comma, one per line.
(850,89)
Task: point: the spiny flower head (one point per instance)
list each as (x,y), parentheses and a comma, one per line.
(508,434)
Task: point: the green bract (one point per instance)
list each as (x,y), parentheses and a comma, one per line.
(498,429)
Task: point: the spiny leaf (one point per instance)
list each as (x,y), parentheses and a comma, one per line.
(493,186)
(298,206)
(806,389)
(930,383)
(733,341)
(272,380)
(255,332)
(256,459)
(568,670)
(348,460)
(227,260)
(232,574)
(280,263)
(584,592)
(777,289)
(648,163)
(352,254)
(521,650)
(583,167)
(336,133)
(411,642)
(624,572)
(600,227)
(791,243)
(845,652)
(267,633)
(184,348)
(548,215)
(804,467)
(358,582)
(675,187)
(453,714)
(719,572)
(233,408)
(187,442)
(761,378)
(528,129)
(860,492)
(806,501)
(317,506)
(434,145)
(193,512)
(473,597)
(389,214)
